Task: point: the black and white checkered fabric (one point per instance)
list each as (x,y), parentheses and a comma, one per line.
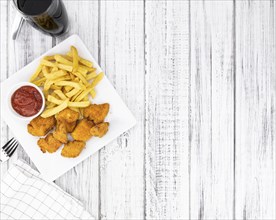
(24,195)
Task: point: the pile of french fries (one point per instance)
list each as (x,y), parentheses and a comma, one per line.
(67,81)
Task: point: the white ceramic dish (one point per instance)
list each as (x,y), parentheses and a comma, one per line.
(14,88)
(51,166)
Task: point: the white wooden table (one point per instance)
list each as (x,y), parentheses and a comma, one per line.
(200,78)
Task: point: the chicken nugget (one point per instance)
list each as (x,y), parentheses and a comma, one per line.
(68,115)
(96,113)
(72,149)
(69,118)
(99,130)
(60,133)
(41,126)
(49,144)
(82,130)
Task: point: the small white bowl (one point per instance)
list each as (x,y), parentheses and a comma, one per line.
(17,86)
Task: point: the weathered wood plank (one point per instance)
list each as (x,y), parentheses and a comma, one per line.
(167,92)
(255,109)
(212,110)
(83,180)
(122,59)
(4,30)
(29,45)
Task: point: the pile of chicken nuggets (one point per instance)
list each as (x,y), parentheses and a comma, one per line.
(70,123)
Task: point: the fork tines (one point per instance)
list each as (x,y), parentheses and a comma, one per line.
(10,147)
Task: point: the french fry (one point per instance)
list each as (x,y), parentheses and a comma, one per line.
(67,88)
(75,58)
(49,58)
(81,77)
(91,75)
(47,84)
(97,79)
(45,93)
(54,69)
(60,94)
(93,93)
(63,60)
(55,75)
(67,83)
(86,62)
(67,57)
(82,60)
(54,87)
(62,78)
(76,95)
(79,104)
(82,70)
(55,95)
(47,63)
(52,111)
(40,81)
(89,69)
(72,93)
(69,61)
(65,67)
(53,99)
(85,98)
(72,76)
(36,73)
(45,70)
(51,105)
(75,109)
(40,75)
(83,94)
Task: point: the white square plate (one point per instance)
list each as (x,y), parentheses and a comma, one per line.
(51,166)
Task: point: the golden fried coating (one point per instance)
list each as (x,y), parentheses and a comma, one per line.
(60,133)
(96,113)
(82,130)
(72,149)
(69,118)
(41,126)
(49,144)
(99,130)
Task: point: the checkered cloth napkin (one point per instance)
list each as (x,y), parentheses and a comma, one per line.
(24,195)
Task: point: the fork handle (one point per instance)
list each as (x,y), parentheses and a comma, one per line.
(4,156)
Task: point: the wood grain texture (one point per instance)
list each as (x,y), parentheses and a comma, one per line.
(4,70)
(122,59)
(200,78)
(255,109)
(167,83)
(83,180)
(29,45)
(212,110)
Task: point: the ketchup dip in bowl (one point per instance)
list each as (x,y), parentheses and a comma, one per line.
(26,101)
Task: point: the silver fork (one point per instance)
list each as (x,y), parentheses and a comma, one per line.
(8,149)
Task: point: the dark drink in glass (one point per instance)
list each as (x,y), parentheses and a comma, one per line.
(48,16)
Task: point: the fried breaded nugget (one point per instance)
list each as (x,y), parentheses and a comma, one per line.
(82,130)
(60,133)
(99,130)
(49,144)
(41,126)
(72,149)
(69,118)
(96,113)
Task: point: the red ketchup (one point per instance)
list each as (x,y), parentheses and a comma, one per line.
(26,101)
